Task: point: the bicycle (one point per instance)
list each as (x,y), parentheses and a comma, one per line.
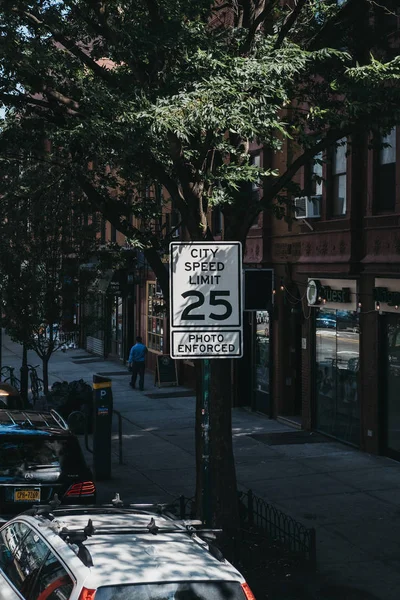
(11,378)
(37,384)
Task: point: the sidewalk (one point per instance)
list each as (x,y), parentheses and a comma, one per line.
(351,498)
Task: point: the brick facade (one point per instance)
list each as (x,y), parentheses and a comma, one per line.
(361,245)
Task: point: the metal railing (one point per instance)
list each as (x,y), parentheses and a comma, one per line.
(264,519)
(278,526)
(86,435)
(68,337)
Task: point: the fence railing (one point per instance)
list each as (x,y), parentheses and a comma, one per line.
(67,338)
(265,519)
(278,526)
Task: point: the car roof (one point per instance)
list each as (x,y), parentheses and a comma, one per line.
(138,558)
(25,422)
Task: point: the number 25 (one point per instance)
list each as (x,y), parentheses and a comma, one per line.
(215,300)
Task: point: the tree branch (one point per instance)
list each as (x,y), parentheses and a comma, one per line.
(194,215)
(109,209)
(257,23)
(68,45)
(103,29)
(289,22)
(17,100)
(71,104)
(273,189)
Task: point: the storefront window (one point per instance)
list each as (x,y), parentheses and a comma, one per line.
(116,319)
(337,358)
(262,361)
(155,318)
(393,383)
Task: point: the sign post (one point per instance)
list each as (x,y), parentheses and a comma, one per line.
(205,429)
(206,319)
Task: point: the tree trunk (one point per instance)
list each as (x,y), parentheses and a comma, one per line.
(223,489)
(24,374)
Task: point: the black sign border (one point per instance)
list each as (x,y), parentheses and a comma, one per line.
(200,356)
(240,286)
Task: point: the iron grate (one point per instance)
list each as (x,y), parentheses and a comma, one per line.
(113,373)
(88,360)
(290,437)
(171,395)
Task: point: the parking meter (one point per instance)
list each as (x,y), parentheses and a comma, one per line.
(102,421)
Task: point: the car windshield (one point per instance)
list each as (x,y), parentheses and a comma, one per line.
(198,590)
(29,453)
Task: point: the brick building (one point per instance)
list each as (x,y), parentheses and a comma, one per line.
(327,357)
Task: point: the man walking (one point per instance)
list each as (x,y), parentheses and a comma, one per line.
(137,358)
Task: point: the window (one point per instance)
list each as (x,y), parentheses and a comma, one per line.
(189,590)
(113,234)
(175,221)
(316,175)
(16,451)
(216,220)
(155,317)
(392,377)
(385,188)
(103,231)
(116,318)
(256,162)
(262,352)
(256,186)
(337,366)
(31,566)
(339,179)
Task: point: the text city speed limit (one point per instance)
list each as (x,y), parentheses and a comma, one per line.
(206,299)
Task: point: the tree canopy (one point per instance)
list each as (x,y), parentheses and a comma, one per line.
(44,236)
(132,94)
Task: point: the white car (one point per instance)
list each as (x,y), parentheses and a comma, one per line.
(112,553)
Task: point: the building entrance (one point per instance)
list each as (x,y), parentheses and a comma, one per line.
(337,370)
(262,362)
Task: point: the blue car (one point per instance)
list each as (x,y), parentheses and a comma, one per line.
(327,321)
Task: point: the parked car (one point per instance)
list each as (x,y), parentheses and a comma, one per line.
(102,553)
(39,456)
(325,321)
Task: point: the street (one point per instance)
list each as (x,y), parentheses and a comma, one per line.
(328,485)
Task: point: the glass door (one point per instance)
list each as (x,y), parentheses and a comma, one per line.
(392,385)
(337,368)
(261,363)
(117,326)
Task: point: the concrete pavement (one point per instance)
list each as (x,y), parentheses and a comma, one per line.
(351,498)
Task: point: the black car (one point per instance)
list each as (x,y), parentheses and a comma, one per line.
(40,457)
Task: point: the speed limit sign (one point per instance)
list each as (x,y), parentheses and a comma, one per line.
(206,299)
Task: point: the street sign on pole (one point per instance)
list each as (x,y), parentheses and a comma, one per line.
(206,300)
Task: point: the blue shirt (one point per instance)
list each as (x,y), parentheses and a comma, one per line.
(137,353)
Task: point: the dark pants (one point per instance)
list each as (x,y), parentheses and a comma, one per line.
(138,369)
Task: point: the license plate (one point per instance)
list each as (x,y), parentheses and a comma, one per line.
(27,495)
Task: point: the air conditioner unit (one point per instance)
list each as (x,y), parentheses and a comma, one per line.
(307,207)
